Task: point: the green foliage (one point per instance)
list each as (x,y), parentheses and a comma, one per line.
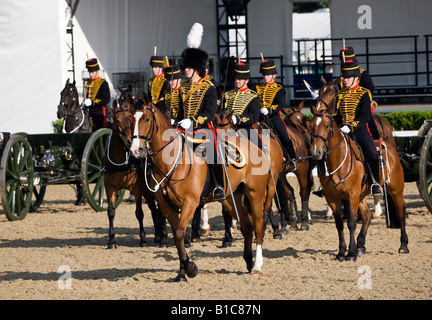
(401,120)
(57,125)
(407,120)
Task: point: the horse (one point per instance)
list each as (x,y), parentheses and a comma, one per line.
(285,200)
(75,119)
(123,171)
(179,178)
(342,176)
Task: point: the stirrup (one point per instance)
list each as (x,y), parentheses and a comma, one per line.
(293,165)
(219,194)
(319,193)
(376,189)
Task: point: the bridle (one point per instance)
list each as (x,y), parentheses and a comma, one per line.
(67,112)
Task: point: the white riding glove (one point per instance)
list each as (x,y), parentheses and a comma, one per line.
(185,123)
(264,111)
(234,119)
(172,121)
(88,102)
(345,129)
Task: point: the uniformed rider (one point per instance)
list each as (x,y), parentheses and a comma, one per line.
(353,113)
(157,84)
(97,95)
(197,108)
(272,100)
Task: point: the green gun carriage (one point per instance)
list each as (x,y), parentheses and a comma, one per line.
(415,154)
(31,162)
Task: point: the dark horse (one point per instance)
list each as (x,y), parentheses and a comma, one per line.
(69,109)
(179,178)
(123,171)
(75,119)
(342,176)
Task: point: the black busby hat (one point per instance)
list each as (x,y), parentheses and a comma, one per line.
(241,71)
(348,53)
(350,69)
(172,72)
(267,67)
(156,61)
(92,65)
(192,56)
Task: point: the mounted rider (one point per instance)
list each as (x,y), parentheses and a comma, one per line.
(171,95)
(353,113)
(97,95)
(243,103)
(272,100)
(157,84)
(198,103)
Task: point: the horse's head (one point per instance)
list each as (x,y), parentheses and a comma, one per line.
(68,99)
(127,99)
(295,117)
(223,120)
(322,123)
(144,126)
(122,124)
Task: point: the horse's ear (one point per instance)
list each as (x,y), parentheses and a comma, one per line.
(323,80)
(74,83)
(145,98)
(67,82)
(300,106)
(115,105)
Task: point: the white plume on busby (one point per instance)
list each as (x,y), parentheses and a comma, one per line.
(194,37)
(192,56)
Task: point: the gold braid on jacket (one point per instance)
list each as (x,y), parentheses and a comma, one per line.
(348,101)
(155,86)
(266,94)
(237,102)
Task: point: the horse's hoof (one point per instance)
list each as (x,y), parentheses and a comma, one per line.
(80,203)
(192,270)
(112,246)
(277,236)
(351,258)
(256,273)
(226,244)
(284,231)
(294,228)
(180,279)
(187,244)
(403,250)
(361,251)
(205,232)
(304,228)
(142,244)
(340,258)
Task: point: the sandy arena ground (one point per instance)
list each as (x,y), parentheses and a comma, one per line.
(37,253)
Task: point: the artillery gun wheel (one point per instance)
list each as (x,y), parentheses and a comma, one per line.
(91,165)
(39,193)
(16,178)
(425,171)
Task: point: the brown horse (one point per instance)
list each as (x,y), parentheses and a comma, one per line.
(179,176)
(342,176)
(123,171)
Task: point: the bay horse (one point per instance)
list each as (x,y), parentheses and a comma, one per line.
(342,173)
(123,171)
(75,119)
(179,177)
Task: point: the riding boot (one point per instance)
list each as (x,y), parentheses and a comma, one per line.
(292,156)
(373,166)
(218,173)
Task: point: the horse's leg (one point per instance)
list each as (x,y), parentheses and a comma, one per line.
(159,221)
(228,222)
(292,205)
(283,208)
(187,267)
(366,216)
(337,213)
(111,214)
(196,225)
(400,211)
(257,203)
(205,227)
(80,201)
(305,181)
(353,205)
(139,213)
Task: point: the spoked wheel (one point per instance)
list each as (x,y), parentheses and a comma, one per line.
(39,194)
(16,178)
(425,171)
(91,170)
